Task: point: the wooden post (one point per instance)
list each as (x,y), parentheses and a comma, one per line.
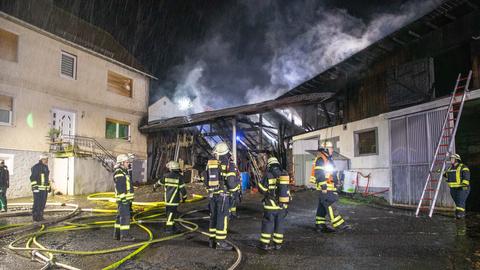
(260,133)
(234,140)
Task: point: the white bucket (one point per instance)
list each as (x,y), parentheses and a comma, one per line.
(350,181)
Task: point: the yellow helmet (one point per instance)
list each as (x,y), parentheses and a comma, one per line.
(221,149)
(456,156)
(122,158)
(173,165)
(272,160)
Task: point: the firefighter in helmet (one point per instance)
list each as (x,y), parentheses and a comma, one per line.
(218,184)
(326,181)
(124,198)
(174,192)
(458,179)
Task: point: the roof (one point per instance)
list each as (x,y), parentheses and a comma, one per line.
(204,117)
(445,13)
(48,17)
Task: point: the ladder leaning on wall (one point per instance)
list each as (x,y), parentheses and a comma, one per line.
(444,146)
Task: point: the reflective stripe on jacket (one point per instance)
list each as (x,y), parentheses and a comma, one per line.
(323,173)
(39,179)
(174,187)
(458,176)
(123,187)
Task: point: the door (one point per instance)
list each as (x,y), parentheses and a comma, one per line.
(413,140)
(64,121)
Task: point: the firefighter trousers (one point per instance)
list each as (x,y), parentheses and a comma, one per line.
(3,199)
(122,221)
(171,211)
(234,202)
(459,196)
(273,224)
(39,202)
(219,206)
(326,211)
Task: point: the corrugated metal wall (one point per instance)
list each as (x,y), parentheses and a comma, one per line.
(413,140)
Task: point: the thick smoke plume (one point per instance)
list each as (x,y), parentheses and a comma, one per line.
(261,49)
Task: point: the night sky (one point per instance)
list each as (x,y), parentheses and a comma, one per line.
(225,53)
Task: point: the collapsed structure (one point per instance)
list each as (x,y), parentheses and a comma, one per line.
(382,108)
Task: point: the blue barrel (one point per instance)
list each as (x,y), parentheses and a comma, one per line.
(245,180)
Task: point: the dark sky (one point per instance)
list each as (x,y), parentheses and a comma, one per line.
(224,53)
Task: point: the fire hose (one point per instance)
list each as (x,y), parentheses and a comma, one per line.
(46,255)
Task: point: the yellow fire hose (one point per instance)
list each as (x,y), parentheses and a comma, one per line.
(150,210)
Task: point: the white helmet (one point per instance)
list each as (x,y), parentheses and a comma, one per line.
(456,156)
(173,165)
(221,149)
(43,156)
(131,157)
(326,144)
(122,158)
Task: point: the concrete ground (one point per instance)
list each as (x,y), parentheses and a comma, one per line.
(381,238)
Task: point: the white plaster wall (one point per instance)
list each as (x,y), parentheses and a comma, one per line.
(37,87)
(91,177)
(377,165)
(20,175)
(162,109)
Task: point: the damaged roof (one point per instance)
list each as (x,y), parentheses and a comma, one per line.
(204,117)
(329,79)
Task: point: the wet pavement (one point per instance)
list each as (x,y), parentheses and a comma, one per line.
(381,238)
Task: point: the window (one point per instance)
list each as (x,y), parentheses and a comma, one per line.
(8,46)
(119,84)
(366,142)
(115,129)
(6,110)
(68,65)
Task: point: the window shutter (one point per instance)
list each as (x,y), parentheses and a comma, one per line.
(68,65)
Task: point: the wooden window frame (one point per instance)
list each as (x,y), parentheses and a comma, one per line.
(16,46)
(119,77)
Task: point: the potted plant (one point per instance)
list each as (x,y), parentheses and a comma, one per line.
(53,133)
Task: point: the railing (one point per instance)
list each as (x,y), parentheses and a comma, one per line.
(87,146)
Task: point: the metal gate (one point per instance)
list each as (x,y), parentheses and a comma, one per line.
(412,141)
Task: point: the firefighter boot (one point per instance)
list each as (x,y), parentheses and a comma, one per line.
(211,242)
(127,238)
(343,228)
(222,245)
(116,234)
(322,228)
(264,246)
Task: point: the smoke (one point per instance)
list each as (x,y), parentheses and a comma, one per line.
(261,49)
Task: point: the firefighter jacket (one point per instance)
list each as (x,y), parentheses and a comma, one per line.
(39,177)
(4,177)
(275,188)
(229,173)
(123,186)
(215,179)
(458,176)
(323,173)
(174,187)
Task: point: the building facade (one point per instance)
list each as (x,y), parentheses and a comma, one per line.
(50,85)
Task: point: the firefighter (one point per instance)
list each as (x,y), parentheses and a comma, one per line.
(275,188)
(174,192)
(124,198)
(219,202)
(326,181)
(230,173)
(39,181)
(131,158)
(4,184)
(458,179)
